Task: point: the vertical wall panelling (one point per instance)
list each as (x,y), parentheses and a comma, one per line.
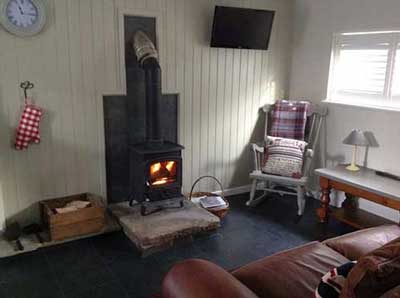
(179,54)
(226,129)
(219,115)
(187,92)
(9,110)
(79,57)
(65,161)
(98,58)
(110,39)
(212,111)
(234,113)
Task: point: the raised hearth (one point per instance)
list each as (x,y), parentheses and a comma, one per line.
(161,230)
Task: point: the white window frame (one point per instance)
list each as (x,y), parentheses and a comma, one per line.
(386,101)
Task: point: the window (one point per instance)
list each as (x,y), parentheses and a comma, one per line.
(365,69)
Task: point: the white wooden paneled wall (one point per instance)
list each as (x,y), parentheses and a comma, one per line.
(76,60)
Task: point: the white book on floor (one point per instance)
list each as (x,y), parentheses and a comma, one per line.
(211,202)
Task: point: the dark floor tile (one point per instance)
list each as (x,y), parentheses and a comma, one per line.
(84,279)
(140,276)
(3,293)
(43,286)
(73,256)
(112,246)
(109,290)
(238,221)
(178,253)
(23,267)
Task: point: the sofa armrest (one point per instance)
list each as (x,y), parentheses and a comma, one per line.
(356,244)
(197,278)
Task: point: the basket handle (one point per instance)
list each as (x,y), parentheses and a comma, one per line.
(201,178)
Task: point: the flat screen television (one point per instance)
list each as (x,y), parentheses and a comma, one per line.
(244,28)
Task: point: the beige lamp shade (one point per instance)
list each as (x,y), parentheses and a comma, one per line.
(356,138)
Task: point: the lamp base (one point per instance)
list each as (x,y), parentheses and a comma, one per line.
(353,168)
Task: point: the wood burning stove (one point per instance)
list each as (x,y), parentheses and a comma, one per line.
(155,165)
(156,173)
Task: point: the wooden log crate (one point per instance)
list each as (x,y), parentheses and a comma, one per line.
(76,223)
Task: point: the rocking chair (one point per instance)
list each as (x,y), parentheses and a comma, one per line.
(268,182)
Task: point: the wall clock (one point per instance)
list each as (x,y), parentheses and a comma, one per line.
(23,17)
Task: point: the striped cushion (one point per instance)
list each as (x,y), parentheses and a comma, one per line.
(332,283)
(289,119)
(284,157)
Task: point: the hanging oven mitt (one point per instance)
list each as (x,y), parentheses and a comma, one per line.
(28,128)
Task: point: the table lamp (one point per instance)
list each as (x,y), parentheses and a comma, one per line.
(355,138)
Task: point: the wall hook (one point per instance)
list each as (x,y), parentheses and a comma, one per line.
(26,85)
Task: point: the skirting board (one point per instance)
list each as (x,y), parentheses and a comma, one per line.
(246,188)
(235,190)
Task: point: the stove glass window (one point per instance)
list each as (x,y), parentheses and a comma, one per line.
(163,173)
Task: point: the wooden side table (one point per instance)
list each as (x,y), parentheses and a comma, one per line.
(363,184)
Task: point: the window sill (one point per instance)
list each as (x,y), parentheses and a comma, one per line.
(361,105)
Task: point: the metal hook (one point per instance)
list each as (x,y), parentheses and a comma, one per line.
(26,85)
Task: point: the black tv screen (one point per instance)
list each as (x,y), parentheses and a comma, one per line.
(241,28)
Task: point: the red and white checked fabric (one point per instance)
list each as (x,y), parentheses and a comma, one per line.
(289,119)
(28,128)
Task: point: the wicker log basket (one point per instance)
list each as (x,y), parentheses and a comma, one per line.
(218,211)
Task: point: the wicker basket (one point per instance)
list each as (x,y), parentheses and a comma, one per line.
(218,211)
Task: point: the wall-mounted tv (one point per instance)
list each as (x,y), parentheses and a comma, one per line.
(244,28)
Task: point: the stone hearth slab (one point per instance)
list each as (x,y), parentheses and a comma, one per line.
(162,229)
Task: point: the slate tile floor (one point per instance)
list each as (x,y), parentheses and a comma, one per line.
(109,265)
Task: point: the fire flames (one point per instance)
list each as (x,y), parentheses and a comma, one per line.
(163,172)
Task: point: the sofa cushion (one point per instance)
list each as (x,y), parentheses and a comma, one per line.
(375,273)
(297,271)
(359,243)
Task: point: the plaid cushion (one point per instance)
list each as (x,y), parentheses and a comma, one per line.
(289,119)
(284,157)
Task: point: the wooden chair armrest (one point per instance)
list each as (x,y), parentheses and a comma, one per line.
(308,157)
(258,152)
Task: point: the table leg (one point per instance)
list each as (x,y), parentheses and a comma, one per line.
(323,211)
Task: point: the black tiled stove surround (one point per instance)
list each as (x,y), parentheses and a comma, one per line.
(129,150)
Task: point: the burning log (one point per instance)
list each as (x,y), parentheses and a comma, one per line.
(163,172)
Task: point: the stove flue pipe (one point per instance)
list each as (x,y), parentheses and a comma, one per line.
(147,56)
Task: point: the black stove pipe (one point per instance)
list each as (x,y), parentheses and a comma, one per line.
(148,58)
(153,96)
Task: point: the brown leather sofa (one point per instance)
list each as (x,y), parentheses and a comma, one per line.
(292,273)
